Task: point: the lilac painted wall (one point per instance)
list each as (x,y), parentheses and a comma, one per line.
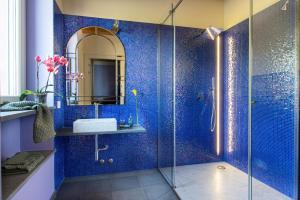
(26,136)
(39,39)
(10,138)
(41,185)
(17,135)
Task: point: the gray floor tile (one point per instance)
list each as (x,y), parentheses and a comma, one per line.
(123,174)
(98,196)
(169,196)
(69,191)
(125,183)
(133,194)
(150,179)
(103,185)
(156,191)
(137,185)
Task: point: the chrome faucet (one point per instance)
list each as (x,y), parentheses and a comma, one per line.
(96,110)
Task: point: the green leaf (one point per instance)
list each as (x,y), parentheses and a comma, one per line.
(25,93)
(43,88)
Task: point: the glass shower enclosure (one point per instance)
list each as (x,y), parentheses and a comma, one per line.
(166,92)
(228,106)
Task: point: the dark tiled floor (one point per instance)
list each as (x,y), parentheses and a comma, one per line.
(138,185)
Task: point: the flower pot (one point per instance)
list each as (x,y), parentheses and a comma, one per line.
(41,98)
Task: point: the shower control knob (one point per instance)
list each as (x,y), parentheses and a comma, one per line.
(102,161)
(110,161)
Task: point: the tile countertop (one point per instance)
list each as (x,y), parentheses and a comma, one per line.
(69,131)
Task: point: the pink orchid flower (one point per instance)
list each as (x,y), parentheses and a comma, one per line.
(49,62)
(56,58)
(52,65)
(63,61)
(38,59)
(76,76)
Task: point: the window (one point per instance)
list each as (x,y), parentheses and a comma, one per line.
(12,50)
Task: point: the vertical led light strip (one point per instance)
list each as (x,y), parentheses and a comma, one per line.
(218,97)
(230,93)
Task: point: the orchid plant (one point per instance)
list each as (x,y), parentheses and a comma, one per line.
(75,77)
(52,65)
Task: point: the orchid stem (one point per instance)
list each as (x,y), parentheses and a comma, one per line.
(37,77)
(47,82)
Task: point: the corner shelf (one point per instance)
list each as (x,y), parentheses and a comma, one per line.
(69,131)
(12,184)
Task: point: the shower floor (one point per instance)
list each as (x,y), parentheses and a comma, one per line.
(207,182)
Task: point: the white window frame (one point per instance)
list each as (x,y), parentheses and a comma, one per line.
(16,51)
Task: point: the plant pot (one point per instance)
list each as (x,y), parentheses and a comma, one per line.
(41,98)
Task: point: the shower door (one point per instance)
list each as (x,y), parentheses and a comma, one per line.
(274,101)
(165,85)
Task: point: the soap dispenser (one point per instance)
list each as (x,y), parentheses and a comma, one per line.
(130,120)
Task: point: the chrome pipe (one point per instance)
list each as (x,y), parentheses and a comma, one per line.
(172,11)
(96,148)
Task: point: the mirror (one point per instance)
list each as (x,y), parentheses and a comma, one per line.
(96,72)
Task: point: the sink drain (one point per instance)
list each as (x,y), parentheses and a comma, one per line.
(221,167)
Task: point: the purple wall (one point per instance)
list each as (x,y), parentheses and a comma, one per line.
(41,184)
(17,135)
(10,138)
(39,40)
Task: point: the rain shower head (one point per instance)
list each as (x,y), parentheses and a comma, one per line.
(212,32)
(209,33)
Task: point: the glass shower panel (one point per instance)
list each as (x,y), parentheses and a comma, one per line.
(166,136)
(274,102)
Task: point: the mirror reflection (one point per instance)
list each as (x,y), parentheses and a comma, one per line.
(97,68)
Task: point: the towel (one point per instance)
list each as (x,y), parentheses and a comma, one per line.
(43,127)
(23,162)
(18,106)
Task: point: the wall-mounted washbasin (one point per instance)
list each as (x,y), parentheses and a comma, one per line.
(95,125)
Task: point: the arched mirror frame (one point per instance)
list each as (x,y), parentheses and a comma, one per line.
(73,98)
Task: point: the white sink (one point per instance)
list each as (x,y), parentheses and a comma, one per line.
(94,125)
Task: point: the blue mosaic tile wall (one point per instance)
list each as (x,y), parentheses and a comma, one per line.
(273,89)
(165,101)
(195,68)
(130,152)
(273,96)
(235,91)
(60,89)
(195,65)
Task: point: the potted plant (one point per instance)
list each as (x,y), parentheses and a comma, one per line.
(52,65)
